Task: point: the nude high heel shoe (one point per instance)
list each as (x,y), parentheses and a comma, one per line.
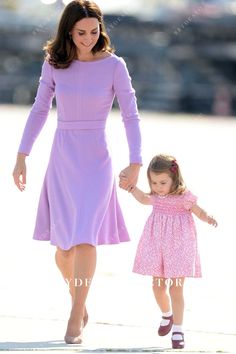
(77,339)
(73,340)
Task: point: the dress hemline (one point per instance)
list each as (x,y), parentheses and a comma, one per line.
(82,243)
(170,276)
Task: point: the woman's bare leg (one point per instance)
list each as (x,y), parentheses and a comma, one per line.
(84,268)
(65,261)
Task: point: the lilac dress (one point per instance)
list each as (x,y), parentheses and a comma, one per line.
(78,202)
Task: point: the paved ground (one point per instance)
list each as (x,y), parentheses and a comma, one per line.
(34,302)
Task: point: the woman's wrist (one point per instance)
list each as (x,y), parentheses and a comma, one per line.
(21,156)
(134,164)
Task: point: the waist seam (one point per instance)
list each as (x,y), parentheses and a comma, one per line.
(81,124)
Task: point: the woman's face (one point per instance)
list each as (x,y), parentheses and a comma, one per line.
(85,34)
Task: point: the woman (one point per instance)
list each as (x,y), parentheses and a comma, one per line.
(78,207)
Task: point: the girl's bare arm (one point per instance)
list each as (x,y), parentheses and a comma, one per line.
(141,196)
(202,215)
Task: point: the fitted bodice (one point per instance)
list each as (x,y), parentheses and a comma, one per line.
(173,204)
(84,93)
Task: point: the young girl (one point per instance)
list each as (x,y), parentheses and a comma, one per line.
(168,248)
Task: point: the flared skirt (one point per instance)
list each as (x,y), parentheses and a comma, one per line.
(78,202)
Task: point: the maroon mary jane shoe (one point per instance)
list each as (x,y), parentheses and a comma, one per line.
(164,330)
(178,343)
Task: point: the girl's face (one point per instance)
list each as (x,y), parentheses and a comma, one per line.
(85,34)
(161,183)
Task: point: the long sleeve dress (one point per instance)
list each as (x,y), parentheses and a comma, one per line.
(78,201)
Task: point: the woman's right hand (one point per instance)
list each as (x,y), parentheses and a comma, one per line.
(129,177)
(19,173)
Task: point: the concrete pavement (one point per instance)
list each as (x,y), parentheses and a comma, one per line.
(127,326)
(34,304)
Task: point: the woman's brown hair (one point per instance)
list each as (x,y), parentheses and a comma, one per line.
(61,50)
(167,164)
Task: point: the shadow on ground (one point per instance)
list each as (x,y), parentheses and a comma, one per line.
(61,346)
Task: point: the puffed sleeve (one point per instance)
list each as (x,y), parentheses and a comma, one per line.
(40,109)
(153,199)
(126,98)
(189,200)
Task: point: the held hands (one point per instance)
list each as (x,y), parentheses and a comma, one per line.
(129,177)
(19,173)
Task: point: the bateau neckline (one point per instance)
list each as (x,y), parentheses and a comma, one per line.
(93,61)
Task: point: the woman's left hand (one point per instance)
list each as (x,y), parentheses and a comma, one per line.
(129,177)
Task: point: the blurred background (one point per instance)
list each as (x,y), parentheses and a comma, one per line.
(181,54)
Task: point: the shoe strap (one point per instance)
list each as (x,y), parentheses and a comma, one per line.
(180,333)
(167,317)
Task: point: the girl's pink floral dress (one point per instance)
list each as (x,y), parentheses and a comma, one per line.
(168,245)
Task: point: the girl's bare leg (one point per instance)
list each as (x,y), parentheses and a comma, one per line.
(84,268)
(65,261)
(177,299)
(160,291)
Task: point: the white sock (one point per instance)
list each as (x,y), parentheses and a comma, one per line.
(177,328)
(163,321)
